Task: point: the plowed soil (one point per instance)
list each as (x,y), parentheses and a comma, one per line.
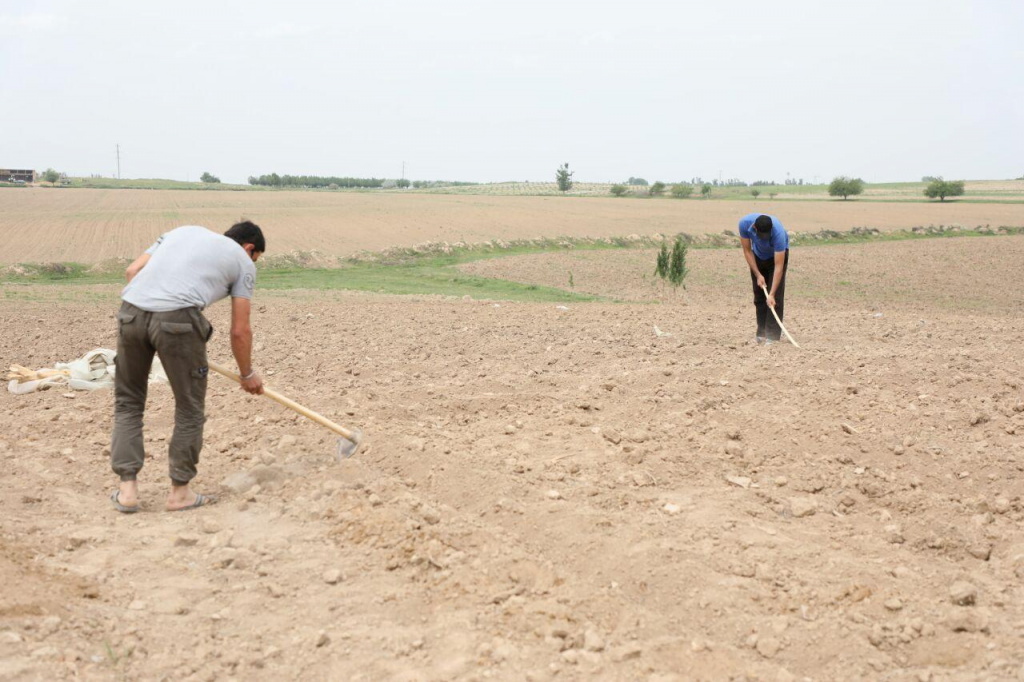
(549,491)
(42,225)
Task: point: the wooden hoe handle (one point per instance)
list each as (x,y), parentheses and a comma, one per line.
(290,404)
(781,326)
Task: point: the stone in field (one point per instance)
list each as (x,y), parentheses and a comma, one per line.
(186,540)
(592,641)
(802,507)
(962,593)
(768,646)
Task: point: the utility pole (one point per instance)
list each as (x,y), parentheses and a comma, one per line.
(119,161)
(403,170)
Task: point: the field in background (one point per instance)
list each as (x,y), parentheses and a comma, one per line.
(976,190)
(42,225)
(468,269)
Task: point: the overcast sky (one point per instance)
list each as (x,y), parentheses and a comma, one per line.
(490,91)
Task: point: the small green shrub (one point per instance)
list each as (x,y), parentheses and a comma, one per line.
(677,270)
(661,268)
(682,190)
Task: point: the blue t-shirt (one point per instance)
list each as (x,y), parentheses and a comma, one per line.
(766,248)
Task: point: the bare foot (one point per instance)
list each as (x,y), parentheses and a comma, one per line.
(128,493)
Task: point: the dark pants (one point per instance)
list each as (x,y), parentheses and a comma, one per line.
(180,337)
(766,324)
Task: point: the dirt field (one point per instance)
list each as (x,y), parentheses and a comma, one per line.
(87,226)
(549,492)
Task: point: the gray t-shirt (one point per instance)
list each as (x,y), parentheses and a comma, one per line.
(188,267)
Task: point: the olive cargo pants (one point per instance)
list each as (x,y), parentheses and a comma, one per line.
(180,337)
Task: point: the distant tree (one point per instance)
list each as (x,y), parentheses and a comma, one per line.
(661,267)
(930,178)
(619,190)
(209,177)
(755,193)
(636,182)
(563,176)
(705,190)
(657,189)
(333,185)
(682,190)
(843,186)
(51,176)
(677,265)
(403,183)
(772,195)
(944,188)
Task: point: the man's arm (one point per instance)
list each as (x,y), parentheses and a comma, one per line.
(780,265)
(748,255)
(241,344)
(136,266)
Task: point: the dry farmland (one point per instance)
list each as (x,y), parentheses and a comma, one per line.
(548,491)
(92,225)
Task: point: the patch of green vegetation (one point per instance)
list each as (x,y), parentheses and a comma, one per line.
(434,275)
(432,278)
(54,273)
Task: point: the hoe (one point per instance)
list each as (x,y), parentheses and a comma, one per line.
(347,444)
(781,326)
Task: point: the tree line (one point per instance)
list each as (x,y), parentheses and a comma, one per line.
(275,180)
(332,182)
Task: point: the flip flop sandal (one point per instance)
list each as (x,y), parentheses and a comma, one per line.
(120,507)
(201,500)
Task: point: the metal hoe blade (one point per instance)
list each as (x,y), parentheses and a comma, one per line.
(346,447)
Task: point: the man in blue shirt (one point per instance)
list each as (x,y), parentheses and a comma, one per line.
(766,249)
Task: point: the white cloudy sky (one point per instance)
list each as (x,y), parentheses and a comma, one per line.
(489,91)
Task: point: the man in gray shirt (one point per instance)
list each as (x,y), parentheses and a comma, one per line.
(169,285)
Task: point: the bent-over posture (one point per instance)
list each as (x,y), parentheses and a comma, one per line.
(169,286)
(765,244)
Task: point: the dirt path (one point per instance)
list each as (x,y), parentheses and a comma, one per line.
(546,493)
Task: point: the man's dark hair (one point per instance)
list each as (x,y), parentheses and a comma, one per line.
(248,232)
(763,224)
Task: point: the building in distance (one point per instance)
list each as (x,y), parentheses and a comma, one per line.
(19,176)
